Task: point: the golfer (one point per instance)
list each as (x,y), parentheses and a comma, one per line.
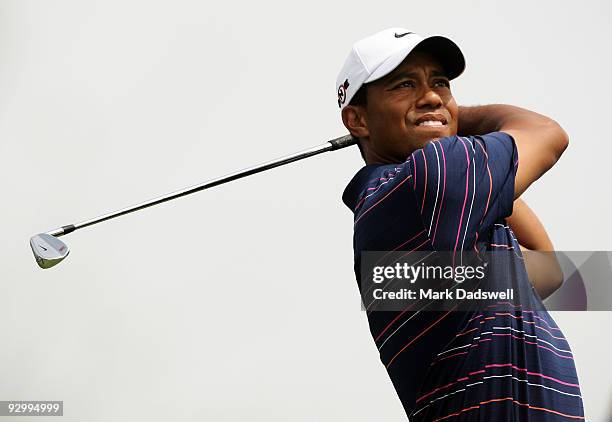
(439,177)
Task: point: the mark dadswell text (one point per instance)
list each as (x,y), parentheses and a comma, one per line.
(460,294)
(448,294)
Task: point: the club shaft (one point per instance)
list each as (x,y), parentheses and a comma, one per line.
(334,144)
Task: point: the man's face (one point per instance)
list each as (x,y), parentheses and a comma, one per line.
(408,108)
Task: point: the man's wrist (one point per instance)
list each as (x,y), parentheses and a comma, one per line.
(479,120)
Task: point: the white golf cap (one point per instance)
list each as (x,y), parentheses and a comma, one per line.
(378,55)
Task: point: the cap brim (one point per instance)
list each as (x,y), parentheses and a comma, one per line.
(443,49)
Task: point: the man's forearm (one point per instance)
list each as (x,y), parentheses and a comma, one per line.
(540,261)
(482,119)
(478,120)
(528,228)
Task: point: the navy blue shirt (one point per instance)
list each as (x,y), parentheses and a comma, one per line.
(488,364)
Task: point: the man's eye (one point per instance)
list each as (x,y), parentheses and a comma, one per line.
(405,84)
(442,83)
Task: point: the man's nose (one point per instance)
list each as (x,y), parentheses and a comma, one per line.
(429,99)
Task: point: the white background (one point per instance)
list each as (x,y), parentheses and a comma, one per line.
(241,302)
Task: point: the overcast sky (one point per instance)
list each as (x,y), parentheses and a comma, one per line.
(241,301)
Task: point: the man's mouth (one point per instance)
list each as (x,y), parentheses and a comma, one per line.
(431,123)
(431,120)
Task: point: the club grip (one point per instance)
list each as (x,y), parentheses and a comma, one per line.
(342,142)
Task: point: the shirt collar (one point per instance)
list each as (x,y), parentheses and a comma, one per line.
(355,187)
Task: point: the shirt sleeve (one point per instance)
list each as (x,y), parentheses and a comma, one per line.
(462,185)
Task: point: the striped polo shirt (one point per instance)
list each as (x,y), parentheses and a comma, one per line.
(489,364)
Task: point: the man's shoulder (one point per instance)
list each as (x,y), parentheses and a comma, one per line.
(451,153)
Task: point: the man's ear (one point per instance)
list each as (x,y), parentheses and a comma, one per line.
(354,119)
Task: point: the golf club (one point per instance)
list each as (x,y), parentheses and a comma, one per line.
(50,251)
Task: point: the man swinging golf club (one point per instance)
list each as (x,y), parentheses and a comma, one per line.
(440,177)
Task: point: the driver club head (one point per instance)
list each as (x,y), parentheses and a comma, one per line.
(48,250)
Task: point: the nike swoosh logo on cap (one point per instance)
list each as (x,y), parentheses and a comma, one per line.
(401,35)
